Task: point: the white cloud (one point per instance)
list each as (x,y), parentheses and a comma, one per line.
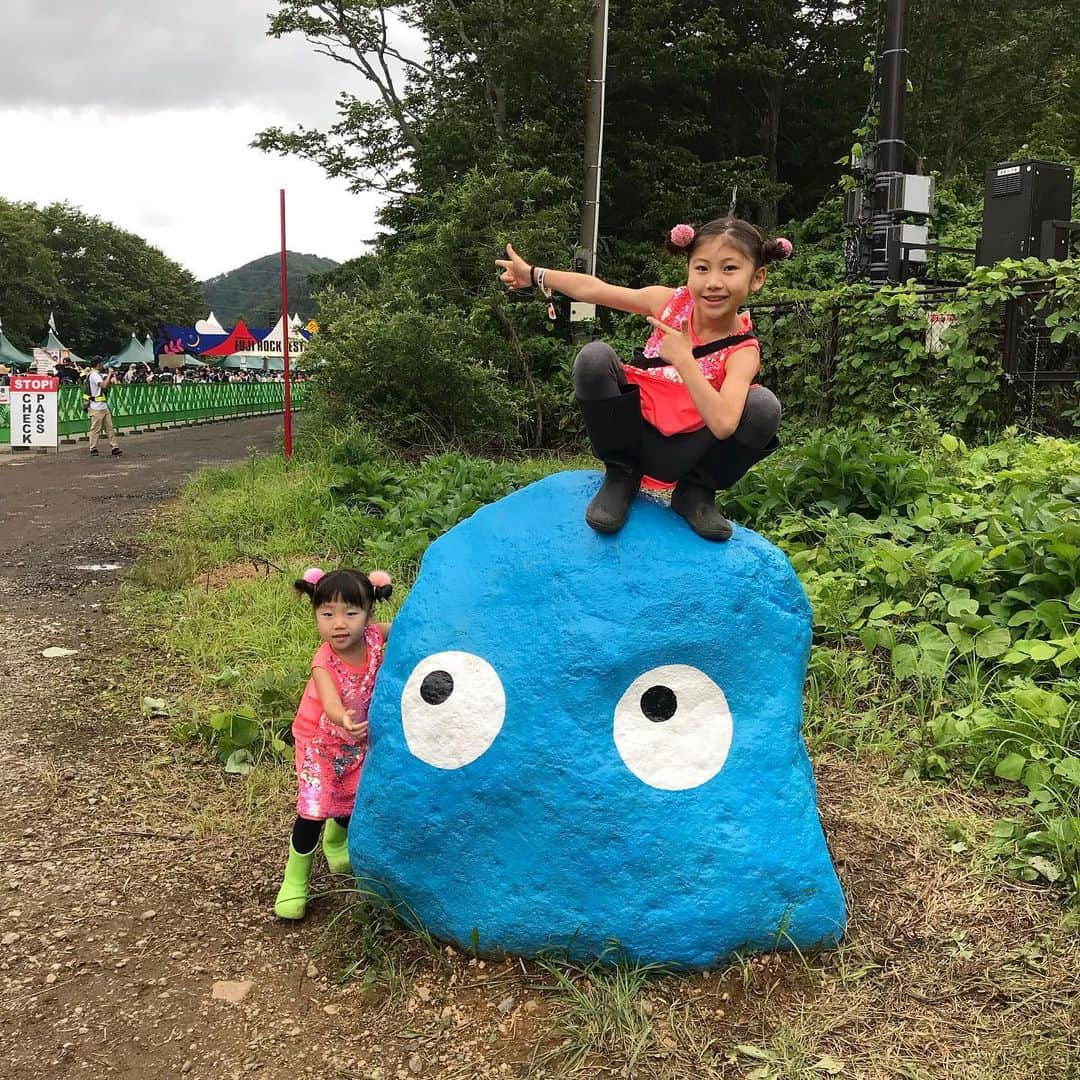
(210,207)
(141,111)
(146,55)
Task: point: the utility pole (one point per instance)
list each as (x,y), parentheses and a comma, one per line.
(585,256)
(285,335)
(889,154)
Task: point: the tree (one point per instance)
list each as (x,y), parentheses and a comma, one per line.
(102,283)
(29,273)
(112,283)
(490,82)
(986,74)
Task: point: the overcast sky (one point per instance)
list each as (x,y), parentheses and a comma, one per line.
(141,111)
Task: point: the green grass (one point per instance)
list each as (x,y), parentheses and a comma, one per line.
(945,582)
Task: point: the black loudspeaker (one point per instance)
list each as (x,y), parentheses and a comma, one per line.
(1019,197)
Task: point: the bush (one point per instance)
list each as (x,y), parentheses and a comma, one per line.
(853,352)
(945,585)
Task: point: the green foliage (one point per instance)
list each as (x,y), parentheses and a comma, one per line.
(102,283)
(411,375)
(253,291)
(945,583)
(398,515)
(946,588)
(850,352)
(426,348)
(29,274)
(987,76)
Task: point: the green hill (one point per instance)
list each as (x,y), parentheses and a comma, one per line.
(253,291)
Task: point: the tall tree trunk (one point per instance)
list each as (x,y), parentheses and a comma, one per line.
(770,136)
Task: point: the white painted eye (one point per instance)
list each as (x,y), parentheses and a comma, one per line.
(452,707)
(673,728)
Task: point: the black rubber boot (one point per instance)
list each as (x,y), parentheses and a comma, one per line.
(697,504)
(694,497)
(614,426)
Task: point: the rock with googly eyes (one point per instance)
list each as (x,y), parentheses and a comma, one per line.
(593,743)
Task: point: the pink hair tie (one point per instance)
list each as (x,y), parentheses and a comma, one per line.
(312,575)
(785,247)
(379,578)
(682,235)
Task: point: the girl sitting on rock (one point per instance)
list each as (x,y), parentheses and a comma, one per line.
(686,411)
(331,725)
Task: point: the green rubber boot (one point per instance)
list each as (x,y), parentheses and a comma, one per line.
(336,847)
(292,897)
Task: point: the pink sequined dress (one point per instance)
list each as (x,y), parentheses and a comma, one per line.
(328,758)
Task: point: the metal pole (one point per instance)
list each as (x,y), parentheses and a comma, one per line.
(585,261)
(889,159)
(285,334)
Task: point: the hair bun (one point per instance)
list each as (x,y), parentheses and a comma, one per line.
(778,249)
(381,583)
(682,235)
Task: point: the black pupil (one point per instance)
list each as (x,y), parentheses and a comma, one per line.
(437,687)
(659,703)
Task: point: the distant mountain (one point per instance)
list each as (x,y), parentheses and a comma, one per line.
(253,291)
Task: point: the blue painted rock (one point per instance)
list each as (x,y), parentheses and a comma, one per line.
(583,741)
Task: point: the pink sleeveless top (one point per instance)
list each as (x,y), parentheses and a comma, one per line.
(665,401)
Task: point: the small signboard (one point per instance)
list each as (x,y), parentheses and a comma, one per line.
(5,398)
(937,322)
(44,361)
(33,410)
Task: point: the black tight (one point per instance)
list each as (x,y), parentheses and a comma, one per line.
(305,833)
(598,374)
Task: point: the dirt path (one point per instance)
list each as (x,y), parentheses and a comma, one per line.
(135,877)
(116,919)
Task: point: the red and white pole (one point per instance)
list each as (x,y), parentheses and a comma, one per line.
(285,334)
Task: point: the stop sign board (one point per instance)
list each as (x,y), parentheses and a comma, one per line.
(33,410)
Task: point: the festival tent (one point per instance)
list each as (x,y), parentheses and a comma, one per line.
(240,340)
(134,352)
(10,356)
(210,325)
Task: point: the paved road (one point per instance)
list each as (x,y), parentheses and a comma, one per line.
(60,511)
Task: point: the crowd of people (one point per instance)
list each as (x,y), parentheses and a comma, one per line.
(71,374)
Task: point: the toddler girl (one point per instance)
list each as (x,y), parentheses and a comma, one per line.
(331,723)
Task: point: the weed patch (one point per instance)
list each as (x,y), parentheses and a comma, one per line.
(945,582)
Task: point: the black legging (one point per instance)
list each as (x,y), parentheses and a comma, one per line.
(305,833)
(598,374)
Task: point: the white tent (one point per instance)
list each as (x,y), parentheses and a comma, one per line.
(210,325)
(276,337)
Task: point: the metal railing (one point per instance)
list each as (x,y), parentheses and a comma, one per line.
(150,406)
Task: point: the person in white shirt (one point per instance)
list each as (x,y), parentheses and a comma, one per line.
(98,408)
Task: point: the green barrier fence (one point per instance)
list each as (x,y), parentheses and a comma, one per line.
(145,406)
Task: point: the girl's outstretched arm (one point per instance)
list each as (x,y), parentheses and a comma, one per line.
(518,274)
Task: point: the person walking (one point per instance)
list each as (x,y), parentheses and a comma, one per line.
(97,386)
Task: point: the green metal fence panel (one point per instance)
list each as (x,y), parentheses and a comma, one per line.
(150,405)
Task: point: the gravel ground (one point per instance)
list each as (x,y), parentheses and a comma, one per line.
(136,884)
